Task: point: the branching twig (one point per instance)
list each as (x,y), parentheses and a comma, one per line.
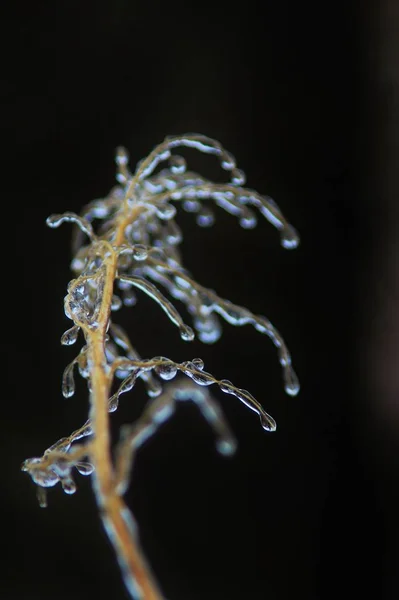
(134,245)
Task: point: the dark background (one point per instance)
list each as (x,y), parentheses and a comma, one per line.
(305,95)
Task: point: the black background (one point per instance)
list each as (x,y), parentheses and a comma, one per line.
(291,88)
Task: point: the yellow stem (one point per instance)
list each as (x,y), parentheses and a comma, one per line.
(112,507)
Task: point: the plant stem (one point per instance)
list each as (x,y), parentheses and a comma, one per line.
(113,509)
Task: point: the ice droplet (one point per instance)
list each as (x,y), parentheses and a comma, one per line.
(238,177)
(173,233)
(122,156)
(227,447)
(248,220)
(70,336)
(113,403)
(129,297)
(166,211)
(116,303)
(177,164)
(140,252)
(228,162)
(200,377)
(68,381)
(205,217)
(86,429)
(166,371)
(289,237)
(246,398)
(291,381)
(191,206)
(226,386)
(68,485)
(198,363)
(186,333)
(267,422)
(84,468)
(154,386)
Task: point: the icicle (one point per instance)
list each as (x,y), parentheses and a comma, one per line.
(186,332)
(68,381)
(70,336)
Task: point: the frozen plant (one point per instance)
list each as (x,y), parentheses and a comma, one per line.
(125,242)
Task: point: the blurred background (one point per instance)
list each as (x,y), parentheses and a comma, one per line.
(305,95)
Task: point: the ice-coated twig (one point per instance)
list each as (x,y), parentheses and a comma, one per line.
(55,466)
(120,337)
(207,302)
(159,411)
(162,152)
(129,239)
(70,217)
(186,333)
(167,370)
(234,200)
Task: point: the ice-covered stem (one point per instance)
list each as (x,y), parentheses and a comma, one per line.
(156,414)
(113,510)
(167,369)
(94,325)
(233,198)
(135,246)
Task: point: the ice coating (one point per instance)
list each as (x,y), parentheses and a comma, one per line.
(129,241)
